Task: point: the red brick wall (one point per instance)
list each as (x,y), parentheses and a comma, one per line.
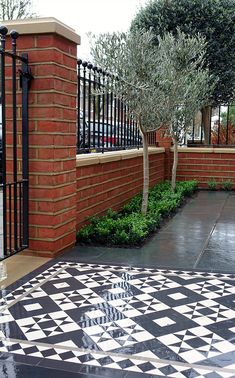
(110,185)
(205,166)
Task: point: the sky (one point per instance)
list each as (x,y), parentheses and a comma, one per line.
(96,16)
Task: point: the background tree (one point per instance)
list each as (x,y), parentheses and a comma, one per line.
(185,82)
(229,116)
(214,19)
(132,59)
(15,9)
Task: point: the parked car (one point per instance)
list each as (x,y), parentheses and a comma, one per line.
(105,136)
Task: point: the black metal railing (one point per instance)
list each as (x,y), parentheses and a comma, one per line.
(104,122)
(14,84)
(219,130)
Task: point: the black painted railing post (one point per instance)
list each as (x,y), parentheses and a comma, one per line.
(14,35)
(3,33)
(25,83)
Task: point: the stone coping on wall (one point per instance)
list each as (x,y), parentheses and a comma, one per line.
(43,25)
(107,157)
(216,150)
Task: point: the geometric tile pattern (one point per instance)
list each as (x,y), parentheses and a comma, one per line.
(152,321)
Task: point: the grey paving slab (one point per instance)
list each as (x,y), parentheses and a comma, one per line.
(205,224)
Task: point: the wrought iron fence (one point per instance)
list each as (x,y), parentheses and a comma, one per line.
(14,186)
(104,122)
(220,129)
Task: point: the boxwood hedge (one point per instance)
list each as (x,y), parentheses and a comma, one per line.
(128,227)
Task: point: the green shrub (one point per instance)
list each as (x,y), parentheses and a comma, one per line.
(212,184)
(227,185)
(129,226)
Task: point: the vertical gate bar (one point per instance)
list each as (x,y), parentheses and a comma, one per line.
(118,120)
(3,32)
(112,141)
(218,141)
(25,148)
(99,106)
(227,125)
(84,64)
(20,213)
(210,116)
(79,62)
(125,125)
(138,135)
(94,107)
(122,121)
(107,111)
(132,132)
(128,127)
(89,66)
(14,36)
(115,121)
(10,220)
(103,109)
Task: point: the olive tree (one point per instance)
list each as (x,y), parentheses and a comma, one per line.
(132,59)
(213,19)
(185,83)
(15,9)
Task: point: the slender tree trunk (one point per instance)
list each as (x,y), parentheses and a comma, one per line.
(175,164)
(206,123)
(144,206)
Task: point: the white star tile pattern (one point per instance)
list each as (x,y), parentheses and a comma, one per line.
(149,321)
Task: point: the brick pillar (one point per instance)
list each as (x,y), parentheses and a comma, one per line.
(52,50)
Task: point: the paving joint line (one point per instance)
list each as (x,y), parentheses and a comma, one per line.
(31,290)
(210,234)
(121,355)
(171,272)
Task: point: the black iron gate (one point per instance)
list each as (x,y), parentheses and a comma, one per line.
(14,84)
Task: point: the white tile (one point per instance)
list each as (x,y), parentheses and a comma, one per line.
(93,330)
(224,346)
(95,314)
(61,285)
(169,339)
(116,290)
(108,345)
(132,313)
(97,300)
(159,307)
(144,297)
(177,296)
(142,336)
(32,307)
(163,322)
(125,323)
(117,302)
(192,356)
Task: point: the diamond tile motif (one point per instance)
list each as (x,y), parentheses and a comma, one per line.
(42,326)
(206,312)
(151,321)
(197,344)
(163,322)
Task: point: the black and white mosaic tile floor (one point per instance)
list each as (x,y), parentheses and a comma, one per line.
(148,322)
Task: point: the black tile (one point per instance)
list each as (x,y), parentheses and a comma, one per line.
(103,372)
(10,370)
